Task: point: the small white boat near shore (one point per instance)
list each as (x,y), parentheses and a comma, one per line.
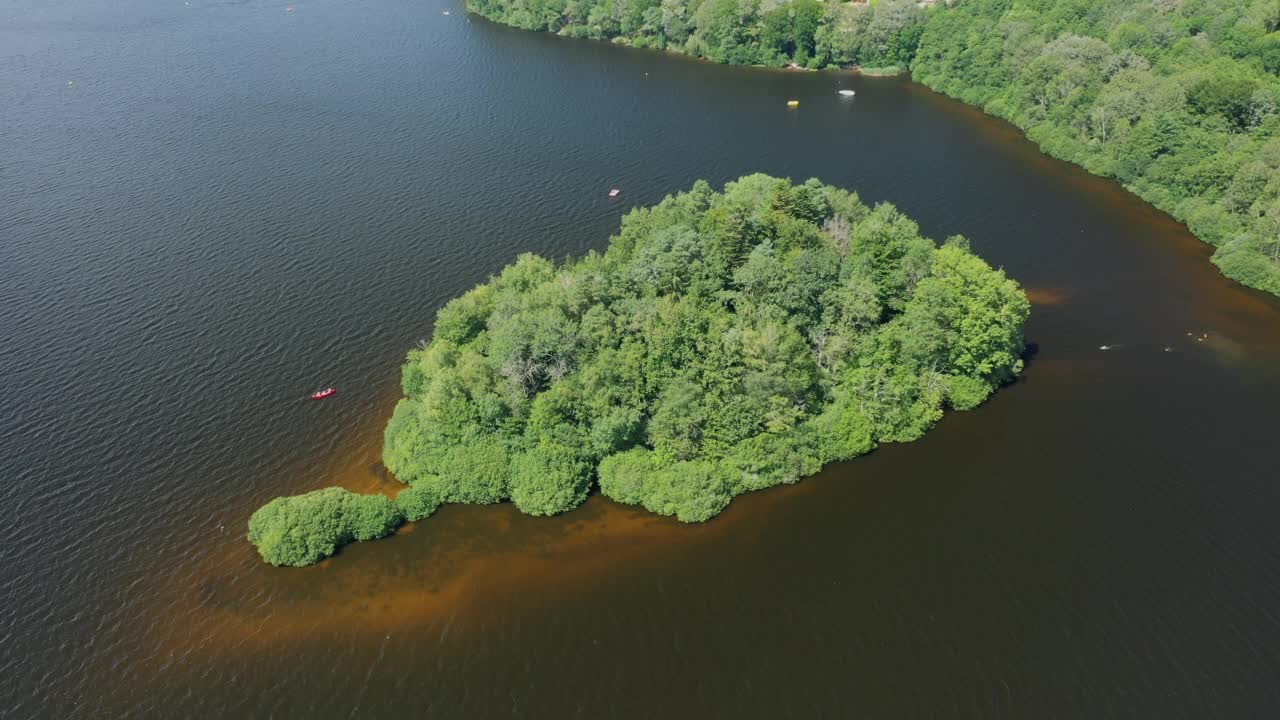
(847,93)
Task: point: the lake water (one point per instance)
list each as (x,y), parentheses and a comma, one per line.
(210,209)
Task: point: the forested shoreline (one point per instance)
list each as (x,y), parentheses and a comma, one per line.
(777,33)
(1175,99)
(725,342)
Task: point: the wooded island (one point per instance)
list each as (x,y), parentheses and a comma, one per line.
(724,342)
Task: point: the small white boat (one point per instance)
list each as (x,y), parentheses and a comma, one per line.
(615,193)
(847,93)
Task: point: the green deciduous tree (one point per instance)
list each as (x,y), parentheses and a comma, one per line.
(304,529)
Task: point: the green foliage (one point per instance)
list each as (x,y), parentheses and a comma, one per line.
(304,529)
(966,393)
(623,475)
(725,342)
(472,472)
(372,516)
(463,318)
(692,491)
(1177,100)
(806,33)
(418,501)
(549,479)
(1229,98)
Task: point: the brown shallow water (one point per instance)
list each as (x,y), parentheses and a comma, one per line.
(232,204)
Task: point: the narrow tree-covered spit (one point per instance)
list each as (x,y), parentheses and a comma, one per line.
(723,343)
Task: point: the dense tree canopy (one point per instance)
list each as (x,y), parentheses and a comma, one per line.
(1177,99)
(809,33)
(724,342)
(304,529)
(1174,98)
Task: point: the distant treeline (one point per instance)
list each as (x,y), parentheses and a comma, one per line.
(725,342)
(808,33)
(1176,99)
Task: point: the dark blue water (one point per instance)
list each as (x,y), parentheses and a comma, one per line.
(209,210)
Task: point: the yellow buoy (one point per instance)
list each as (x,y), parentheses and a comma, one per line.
(793,103)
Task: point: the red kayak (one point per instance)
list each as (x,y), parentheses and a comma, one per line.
(323,393)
